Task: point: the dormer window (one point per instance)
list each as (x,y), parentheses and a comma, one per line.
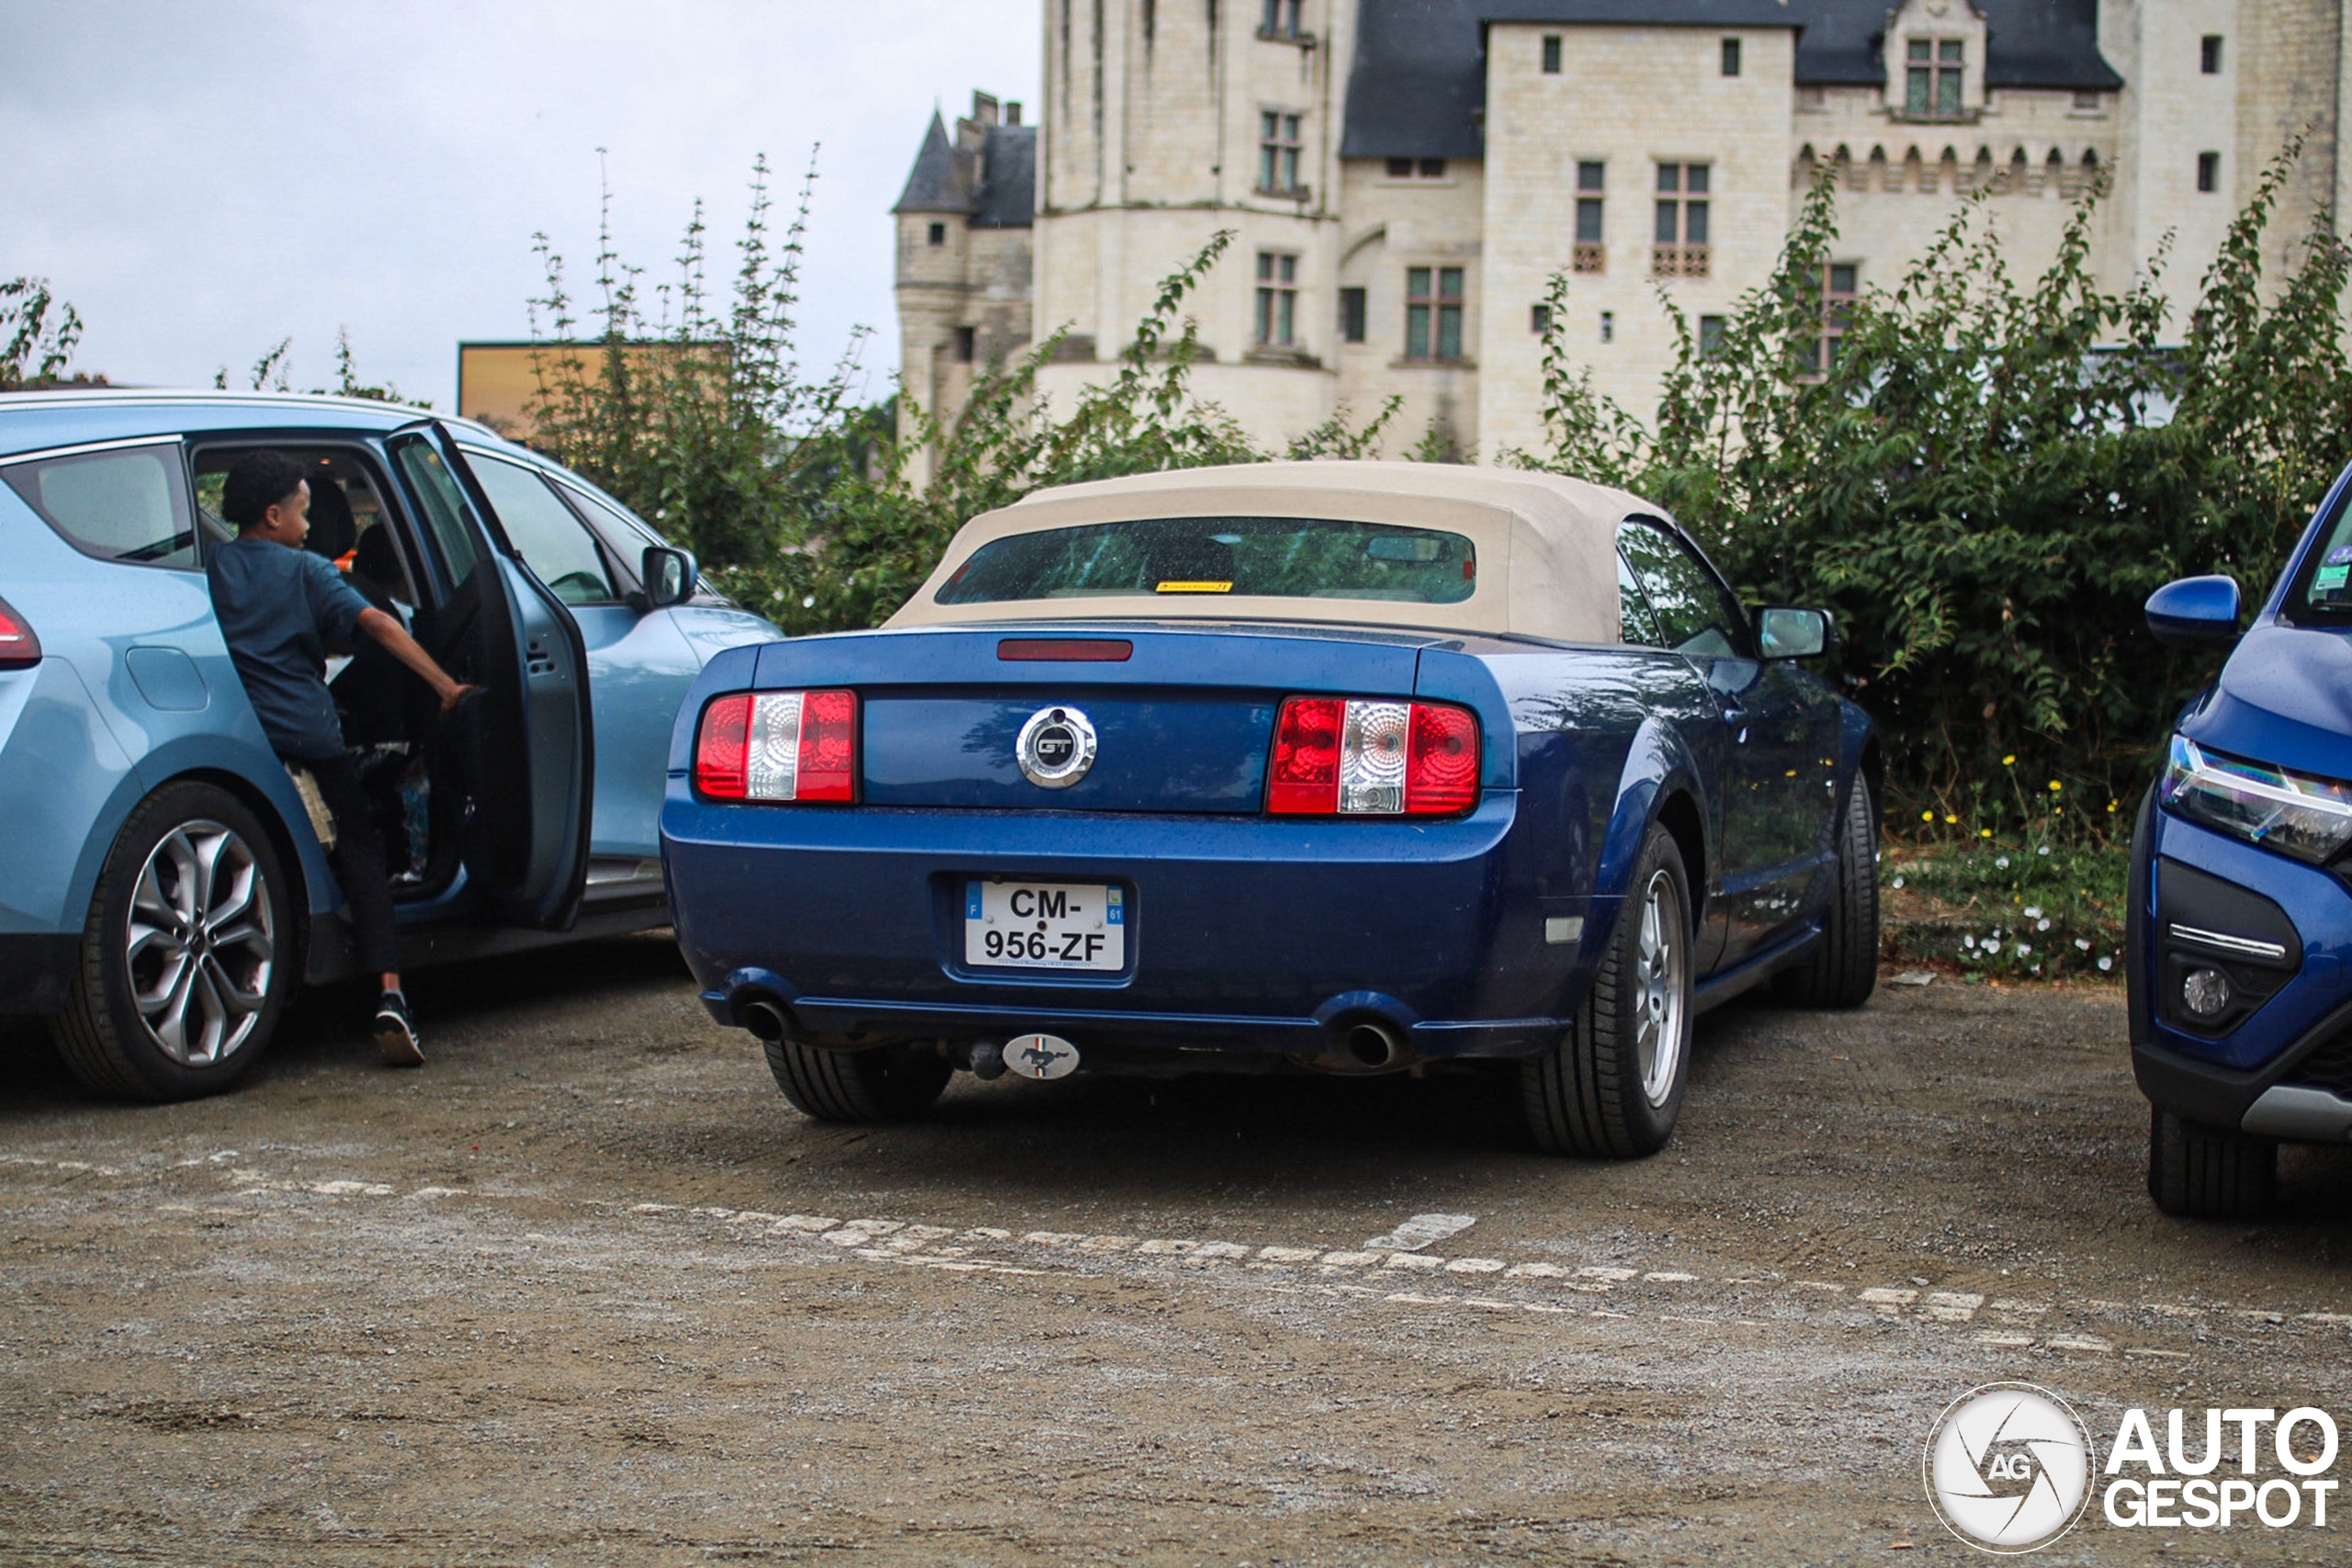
(1932,69)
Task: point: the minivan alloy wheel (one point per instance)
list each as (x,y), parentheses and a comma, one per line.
(200,943)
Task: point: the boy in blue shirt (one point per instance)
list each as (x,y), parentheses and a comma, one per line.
(281,608)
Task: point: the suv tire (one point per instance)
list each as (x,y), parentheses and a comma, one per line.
(887,1083)
(1843,970)
(2207,1173)
(187,953)
(1611,1086)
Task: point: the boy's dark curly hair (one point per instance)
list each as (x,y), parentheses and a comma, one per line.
(258,481)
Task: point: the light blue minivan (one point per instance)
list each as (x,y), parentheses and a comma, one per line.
(163,890)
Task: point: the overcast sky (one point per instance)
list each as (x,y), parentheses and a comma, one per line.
(201,180)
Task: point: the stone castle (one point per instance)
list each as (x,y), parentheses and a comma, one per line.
(1403,177)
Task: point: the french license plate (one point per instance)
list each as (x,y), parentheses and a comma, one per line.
(1045,925)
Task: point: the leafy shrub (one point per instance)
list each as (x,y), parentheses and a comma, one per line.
(1990,478)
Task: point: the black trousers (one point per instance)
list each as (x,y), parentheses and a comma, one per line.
(358,858)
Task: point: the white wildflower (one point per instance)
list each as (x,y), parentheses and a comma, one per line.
(2105,963)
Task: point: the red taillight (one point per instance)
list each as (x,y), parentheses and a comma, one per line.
(1442,761)
(1306,777)
(828,746)
(18,647)
(1373,757)
(778,746)
(719,753)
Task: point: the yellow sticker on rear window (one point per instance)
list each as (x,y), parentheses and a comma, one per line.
(1184,587)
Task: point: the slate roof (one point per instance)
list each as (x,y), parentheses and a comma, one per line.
(1419,86)
(2033,43)
(1008,194)
(938,182)
(998,189)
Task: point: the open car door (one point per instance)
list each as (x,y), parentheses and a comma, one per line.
(524,746)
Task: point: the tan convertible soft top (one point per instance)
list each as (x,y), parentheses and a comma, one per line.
(1547,544)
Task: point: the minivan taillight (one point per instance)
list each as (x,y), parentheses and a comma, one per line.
(18,647)
(778,746)
(1373,757)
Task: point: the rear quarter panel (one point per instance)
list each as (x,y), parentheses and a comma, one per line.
(97,732)
(1601,735)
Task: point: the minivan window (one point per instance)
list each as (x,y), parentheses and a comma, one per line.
(543,530)
(444,506)
(1291,557)
(125,505)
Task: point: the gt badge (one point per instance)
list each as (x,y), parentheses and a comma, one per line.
(1056,747)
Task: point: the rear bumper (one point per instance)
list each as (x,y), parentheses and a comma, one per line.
(37,971)
(1247,935)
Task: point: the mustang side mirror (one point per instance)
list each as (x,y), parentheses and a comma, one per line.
(2196,613)
(1785,631)
(669,576)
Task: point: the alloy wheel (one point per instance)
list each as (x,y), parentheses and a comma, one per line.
(200,944)
(1661,1020)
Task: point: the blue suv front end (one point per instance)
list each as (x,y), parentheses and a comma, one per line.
(2240,957)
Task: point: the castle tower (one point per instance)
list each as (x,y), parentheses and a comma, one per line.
(964,258)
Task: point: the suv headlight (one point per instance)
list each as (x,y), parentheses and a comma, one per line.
(2292,813)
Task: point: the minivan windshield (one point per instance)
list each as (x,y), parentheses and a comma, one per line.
(1290,558)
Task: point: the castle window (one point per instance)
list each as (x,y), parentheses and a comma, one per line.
(1551,54)
(967,343)
(1731,57)
(1678,245)
(1277,299)
(2209,172)
(1416,168)
(1278,153)
(1839,283)
(1931,78)
(1352,315)
(1281,19)
(1433,312)
(1590,254)
(1710,336)
(939,233)
(2087,102)
(2208,54)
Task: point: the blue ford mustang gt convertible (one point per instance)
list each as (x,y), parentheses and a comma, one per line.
(1340,767)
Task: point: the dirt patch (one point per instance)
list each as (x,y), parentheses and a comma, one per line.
(585,1290)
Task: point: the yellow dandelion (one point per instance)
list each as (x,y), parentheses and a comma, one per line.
(2110,806)
(2055,786)
(1926,817)
(1983,832)
(2010,761)
(1951,821)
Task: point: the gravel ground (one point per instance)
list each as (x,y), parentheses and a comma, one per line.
(585,1290)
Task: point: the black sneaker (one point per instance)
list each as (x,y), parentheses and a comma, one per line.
(395,1033)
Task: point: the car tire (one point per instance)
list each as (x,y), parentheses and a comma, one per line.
(2207,1173)
(1611,1086)
(1843,971)
(187,953)
(887,1083)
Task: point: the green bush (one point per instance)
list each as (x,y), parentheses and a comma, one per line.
(1990,478)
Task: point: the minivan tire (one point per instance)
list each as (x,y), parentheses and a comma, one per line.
(1591,1093)
(2207,1173)
(886,1083)
(188,954)
(1843,970)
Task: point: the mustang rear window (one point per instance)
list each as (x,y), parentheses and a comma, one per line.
(1173,558)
